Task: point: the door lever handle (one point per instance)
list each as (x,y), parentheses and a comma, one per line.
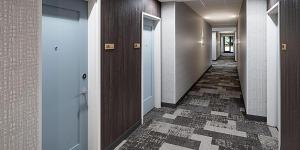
(84,91)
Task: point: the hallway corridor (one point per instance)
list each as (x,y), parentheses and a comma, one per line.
(210,117)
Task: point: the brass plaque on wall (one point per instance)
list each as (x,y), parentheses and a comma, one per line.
(136,45)
(109,46)
(283,47)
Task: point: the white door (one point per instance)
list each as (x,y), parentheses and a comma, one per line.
(148,65)
(64,34)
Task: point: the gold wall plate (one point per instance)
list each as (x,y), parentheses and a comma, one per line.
(283,47)
(109,46)
(136,45)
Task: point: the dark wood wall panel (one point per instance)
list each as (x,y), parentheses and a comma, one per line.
(121,67)
(111,64)
(271,3)
(290,75)
(152,7)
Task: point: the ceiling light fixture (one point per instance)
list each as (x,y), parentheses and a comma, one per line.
(220,17)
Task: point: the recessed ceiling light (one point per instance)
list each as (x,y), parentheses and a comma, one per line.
(220,17)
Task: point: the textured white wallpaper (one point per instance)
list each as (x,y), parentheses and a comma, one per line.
(252,56)
(256,58)
(168,52)
(19,67)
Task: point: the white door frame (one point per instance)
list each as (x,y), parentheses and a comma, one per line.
(94,74)
(157,62)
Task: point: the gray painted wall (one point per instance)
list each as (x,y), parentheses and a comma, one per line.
(242,50)
(252,56)
(19,74)
(191,58)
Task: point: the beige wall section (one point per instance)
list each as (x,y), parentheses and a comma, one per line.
(193,48)
(186,49)
(20,22)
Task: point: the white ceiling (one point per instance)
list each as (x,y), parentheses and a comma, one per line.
(219,13)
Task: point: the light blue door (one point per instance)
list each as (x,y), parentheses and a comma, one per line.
(64,36)
(147,54)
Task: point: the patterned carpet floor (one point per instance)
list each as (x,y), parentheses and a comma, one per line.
(210,117)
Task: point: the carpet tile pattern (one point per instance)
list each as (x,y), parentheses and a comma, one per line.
(210,117)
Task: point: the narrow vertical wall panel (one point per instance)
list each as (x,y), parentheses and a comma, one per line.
(168,52)
(252,62)
(256,58)
(218,54)
(273,67)
(290,74)
(214,46)
(20,22)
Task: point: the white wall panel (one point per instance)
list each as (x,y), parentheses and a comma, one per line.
(252,58)
(273,68)
(256,58)
(168,52)
(214,46)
